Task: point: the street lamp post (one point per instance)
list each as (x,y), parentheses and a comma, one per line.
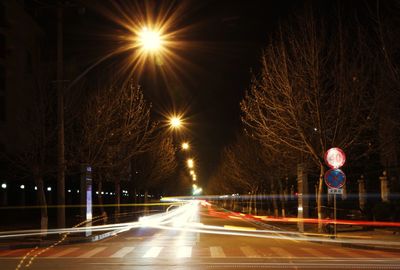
(149,41)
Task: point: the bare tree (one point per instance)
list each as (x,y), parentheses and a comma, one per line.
(116,127)
(246,167)
(387,29)
(32,157)
(156,165)
(312,92)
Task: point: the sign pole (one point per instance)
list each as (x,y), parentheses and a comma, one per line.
(334,215)
(335,178)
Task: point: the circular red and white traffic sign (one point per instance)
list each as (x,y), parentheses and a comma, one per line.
(335,158)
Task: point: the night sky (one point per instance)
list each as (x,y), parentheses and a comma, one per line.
(226,40)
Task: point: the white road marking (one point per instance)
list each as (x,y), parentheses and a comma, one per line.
(249,252)
(315,252)
(92,252)
(348,252)
(281,252)
(122,252)
(153,252)
(184,252)
(217,252)
(63,252)
(380,253)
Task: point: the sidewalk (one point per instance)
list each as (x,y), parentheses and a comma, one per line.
(351,236)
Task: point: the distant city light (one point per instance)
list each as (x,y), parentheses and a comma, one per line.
(4,186)
(69,191)
(35,187)
(77,191)
(22,186)
(48,188)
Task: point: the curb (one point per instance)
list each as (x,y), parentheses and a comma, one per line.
(68,241)
(348,245)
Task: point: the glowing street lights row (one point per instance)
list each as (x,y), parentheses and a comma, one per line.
(175,123)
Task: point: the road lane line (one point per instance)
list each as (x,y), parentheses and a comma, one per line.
(122,252)
(281,252)
(153,252)
(92,252)
(316,253)
(63,252)
(217,252)
(249,252)
(184,252)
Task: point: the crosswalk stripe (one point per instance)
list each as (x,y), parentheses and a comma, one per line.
(184,252)
(153,252)
(316,252)
(64,252)
(348,252)
(379,253)
(122,252)
(92,252)
(281,252)
(217,252)
(249,252)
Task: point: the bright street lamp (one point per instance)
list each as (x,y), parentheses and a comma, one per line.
(175,122)
(150,40)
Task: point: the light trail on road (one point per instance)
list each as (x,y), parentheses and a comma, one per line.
(182,219)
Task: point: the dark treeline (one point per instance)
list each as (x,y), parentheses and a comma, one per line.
(326,79)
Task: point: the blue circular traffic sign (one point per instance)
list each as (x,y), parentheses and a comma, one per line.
(335,178)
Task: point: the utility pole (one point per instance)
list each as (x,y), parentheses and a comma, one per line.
(60,123)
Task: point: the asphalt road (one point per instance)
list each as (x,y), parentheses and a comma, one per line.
(199,237)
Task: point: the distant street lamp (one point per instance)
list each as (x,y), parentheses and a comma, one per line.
(191,172)
(190,163)
(4,186)
(185,146)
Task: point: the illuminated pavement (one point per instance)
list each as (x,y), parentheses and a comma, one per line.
(185,238)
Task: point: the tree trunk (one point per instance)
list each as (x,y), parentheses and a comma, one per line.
(41,197)
(117,198)
(319,197)
(146,208)
(99,196)
(275,204)
(283,204)
(60,125)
